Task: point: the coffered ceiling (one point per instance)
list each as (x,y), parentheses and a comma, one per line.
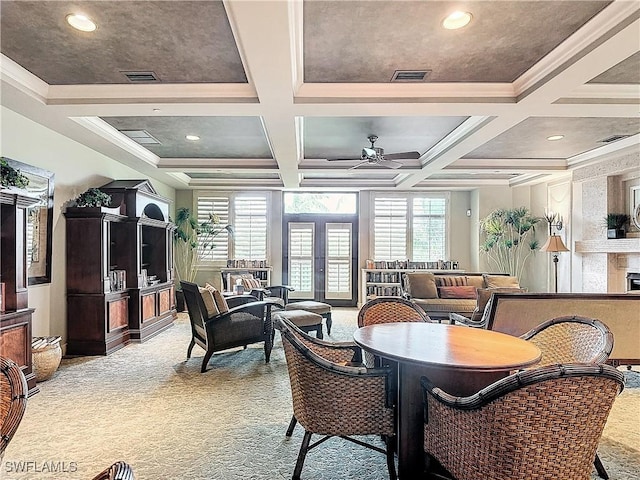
(274,88)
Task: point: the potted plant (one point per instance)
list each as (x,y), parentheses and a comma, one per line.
(11,177)
(509,239)
(616,224)
(92,197)
(191,242)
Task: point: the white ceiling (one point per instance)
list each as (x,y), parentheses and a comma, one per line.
(274,88)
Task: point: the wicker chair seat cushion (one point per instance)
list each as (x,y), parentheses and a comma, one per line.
(301,318)
(310,306)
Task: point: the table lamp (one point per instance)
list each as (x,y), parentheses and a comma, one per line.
(554,245)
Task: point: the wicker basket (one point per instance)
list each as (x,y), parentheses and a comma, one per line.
(46,361)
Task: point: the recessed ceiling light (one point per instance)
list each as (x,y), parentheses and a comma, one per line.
(456,20)
(193,138)
(555,137)
(81,22)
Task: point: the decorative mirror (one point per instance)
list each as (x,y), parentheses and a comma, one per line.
(39,222)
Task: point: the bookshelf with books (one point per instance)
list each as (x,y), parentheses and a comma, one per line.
(383,278)
(257,268)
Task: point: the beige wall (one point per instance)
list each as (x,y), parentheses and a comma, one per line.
(76,168)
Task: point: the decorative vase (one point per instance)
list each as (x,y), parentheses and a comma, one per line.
(616,233)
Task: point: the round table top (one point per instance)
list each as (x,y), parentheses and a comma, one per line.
(450,346)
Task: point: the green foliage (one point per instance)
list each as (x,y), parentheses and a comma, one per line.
(93,198)
(509,239)
(192,240)
(11,177)
(617,220)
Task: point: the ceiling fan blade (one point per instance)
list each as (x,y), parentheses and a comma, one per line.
(402,156)
(389,163)
(364,162)
(340,159)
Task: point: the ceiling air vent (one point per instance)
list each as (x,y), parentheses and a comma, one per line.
(410,75)
(613,138)
(141,77)
(141,136)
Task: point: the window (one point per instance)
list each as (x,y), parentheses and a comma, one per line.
(411,226)
(323,203)
(247,212)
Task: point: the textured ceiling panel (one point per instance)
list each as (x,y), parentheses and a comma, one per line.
(179,41)
(220,137)
(625,72)
(345,136)
(504,39)
(528,139)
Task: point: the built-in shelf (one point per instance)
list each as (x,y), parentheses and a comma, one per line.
(614,245)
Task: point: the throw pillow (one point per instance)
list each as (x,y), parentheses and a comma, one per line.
(421,285)
(500,281)
(221,302)
(451,281)
(209,302)
(461,291)
(251,283)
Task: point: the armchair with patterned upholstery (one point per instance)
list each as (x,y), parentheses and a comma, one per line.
(539,423)
(331,398)
(216,327)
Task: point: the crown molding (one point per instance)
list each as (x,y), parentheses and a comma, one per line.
(23,80)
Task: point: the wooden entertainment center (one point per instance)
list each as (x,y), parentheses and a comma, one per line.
(120,285)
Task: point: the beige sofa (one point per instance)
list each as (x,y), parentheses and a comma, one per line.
(425,289)
(516,314)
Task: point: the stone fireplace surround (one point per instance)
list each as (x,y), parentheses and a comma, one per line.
(600,264)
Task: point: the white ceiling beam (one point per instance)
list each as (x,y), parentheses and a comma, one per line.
(266,47)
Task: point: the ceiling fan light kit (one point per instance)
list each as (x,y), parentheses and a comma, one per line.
(375,156)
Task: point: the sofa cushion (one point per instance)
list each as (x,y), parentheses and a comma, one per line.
(461,291)
(421,285)
(441,307)
(500,281)
(450,280)
(475,280)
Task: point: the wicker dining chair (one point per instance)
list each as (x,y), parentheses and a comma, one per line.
(573,339)
(342,353)
(333,399)
(543,423)
(389,310)
(117,471)
(13,400)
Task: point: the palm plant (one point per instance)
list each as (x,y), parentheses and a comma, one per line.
(509,239)
(192,240)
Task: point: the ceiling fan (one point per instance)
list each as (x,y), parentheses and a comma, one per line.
(375,156)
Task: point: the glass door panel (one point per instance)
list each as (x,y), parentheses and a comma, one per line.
(338,261)
(301,259)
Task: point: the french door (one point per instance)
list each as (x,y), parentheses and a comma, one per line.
(319,258)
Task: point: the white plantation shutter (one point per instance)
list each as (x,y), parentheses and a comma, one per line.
(301,259)
(217,205)
(338,261)
(250,227)
(390,228)
(429,229)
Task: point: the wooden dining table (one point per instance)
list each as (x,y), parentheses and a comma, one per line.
(458,359)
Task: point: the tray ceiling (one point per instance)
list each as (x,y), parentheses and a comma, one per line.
(273,89)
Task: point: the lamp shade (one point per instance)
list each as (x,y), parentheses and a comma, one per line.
(554,244)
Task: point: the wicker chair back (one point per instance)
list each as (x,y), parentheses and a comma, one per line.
(389,310)
(13,400)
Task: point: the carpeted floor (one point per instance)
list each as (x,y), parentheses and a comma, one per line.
(148,406)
